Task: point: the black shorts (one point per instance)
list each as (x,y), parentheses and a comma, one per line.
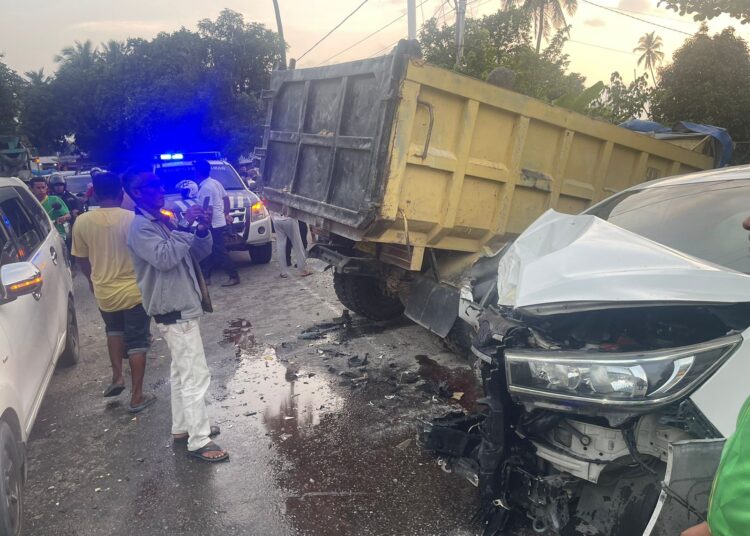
(134,325)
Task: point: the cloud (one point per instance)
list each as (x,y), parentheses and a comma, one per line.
(636,5)
(120,27)
(595,23)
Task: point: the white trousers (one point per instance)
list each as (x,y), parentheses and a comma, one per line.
(288,229)
(190,380)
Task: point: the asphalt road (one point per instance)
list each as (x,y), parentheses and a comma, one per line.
(320,441)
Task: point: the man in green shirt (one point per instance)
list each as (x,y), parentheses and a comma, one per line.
(728,512)
(55,207)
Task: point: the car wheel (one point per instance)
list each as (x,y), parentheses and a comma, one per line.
(11,478)
(69,356)
(261,254)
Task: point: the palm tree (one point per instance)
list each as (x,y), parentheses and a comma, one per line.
(83,54)
(650,47)
(546,14)
(37,78)
(113,50)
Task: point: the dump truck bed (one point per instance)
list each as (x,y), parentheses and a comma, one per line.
(397,152)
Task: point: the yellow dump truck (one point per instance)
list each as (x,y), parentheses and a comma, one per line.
(409,173)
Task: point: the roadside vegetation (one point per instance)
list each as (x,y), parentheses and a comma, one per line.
(195,88)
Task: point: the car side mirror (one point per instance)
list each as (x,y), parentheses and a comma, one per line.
(18,279)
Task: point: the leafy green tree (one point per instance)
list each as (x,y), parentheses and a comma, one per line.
(707,82)
(10,87)
(504,40)
(81,55)
(546,14)
(40,116)
(545,76)
(620,102)
(487,40)
(708,9)
(185,90)
(649,45)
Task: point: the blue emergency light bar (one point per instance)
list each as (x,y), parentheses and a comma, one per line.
(179,157)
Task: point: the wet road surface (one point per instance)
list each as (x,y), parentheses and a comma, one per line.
(321,428)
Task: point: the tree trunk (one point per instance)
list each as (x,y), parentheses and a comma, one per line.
(540,28)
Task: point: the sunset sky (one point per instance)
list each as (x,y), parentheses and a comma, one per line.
(33,31)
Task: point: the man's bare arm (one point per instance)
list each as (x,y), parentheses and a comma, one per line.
(698,530)
(226,210)
(85,265)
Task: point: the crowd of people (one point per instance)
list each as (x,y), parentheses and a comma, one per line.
(152,263)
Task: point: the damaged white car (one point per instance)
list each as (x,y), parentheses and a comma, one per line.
(614,354)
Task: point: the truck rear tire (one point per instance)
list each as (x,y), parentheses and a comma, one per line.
(261,254)
(364,296)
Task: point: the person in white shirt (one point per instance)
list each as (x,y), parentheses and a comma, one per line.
(218,202)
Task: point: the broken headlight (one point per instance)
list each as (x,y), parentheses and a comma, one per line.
(654,377)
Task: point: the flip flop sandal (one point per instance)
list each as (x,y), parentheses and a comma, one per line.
(210,447)
(148,400)
(114,389)
(215,430)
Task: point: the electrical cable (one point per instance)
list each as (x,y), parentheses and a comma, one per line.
(629,53)
(333,30)
(394,21)
(634,17)
(628,434)
(397,40)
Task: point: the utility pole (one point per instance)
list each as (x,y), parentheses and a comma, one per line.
(280,30)
(411,8)
(460,30)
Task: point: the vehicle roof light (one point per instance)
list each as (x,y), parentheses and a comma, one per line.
(171,156)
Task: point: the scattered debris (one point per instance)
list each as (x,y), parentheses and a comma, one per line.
(240,334)
(319,330)
(404,444)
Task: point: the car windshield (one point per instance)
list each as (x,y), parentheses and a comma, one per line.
(78,183)
(701,219)
(224,173)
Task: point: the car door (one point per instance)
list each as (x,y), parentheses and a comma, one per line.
(27,320)
(53,255)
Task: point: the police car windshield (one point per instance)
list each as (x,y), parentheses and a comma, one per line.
(173,174)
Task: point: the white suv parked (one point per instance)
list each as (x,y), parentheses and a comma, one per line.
(37,329)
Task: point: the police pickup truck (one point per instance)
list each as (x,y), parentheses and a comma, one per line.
(251,224)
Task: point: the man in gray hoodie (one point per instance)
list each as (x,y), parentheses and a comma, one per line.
(165,255)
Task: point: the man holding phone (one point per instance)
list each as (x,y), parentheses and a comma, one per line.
(165,254)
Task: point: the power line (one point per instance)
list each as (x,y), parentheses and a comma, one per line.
(397,40)
(394,21)
(443,16)
(629,53)
(636,18)
(333,30)
(648,14)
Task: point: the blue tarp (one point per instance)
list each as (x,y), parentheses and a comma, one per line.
(719,134)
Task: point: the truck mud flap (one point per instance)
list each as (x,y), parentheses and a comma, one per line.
(432,305)
(691,468)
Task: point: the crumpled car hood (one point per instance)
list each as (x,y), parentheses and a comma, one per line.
(564,262)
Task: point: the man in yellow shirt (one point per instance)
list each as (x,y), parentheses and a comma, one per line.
(100,245)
